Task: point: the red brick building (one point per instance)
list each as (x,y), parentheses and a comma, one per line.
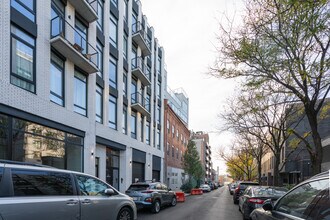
(176,136)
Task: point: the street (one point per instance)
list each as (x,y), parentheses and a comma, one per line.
(216,205)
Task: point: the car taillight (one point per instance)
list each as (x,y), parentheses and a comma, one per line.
(237,190)
(256,201)
(148,199)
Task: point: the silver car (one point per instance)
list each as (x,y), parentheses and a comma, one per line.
(37,192)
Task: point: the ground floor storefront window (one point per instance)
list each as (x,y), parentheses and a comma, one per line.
(25,141)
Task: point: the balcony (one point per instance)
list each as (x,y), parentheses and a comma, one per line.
(86,8)
(140,104)
(69,42)
(139,70)
(139,36)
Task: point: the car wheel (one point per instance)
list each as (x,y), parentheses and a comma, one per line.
(125,214)
(173,203)
(155,207)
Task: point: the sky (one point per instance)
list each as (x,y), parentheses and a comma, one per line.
(187,30)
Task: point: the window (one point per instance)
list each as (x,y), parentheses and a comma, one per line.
(113,31)
(134,57)
(125,10)
(57,18)
(158,114)
(148,106)
(142,129)
(80,93)
(168,148)
(124,120)
(168,126)
(158,90)
(148,133)
(56,79)
(177,153)
(125,84)
(80,35)
(22,60)
(134,22)
(158,139)
(172,151)
(159,65)
(41,183)
(89,186)
(172,130)
(125,47)
(26,7)
(100,5)
(115,3)
(297,201)
(112,112)
(99,49)
(133,91)
(133,125)
(113,72)
(99,104)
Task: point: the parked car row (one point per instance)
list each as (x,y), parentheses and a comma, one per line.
(308,200)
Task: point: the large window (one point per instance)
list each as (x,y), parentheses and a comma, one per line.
(159,65)
(22,60)
(99,49)
(133,125)
(25,141)
(142,129)
(158,139)
(57,24)
(80,35)
(113,72)
(134,22)
(125,10)
(113,31)
(80,93)
(56,79)
(115,3)
(133,91)
(159,90)
(99,104)
(125,47)
(125,84)
(100,6)
(26,7)
(124,120)
(148,132)
(112,112)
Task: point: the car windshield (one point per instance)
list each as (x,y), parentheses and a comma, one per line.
(269,192)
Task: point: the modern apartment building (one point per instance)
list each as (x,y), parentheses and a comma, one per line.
(176,137)
(81,84)
(201,140)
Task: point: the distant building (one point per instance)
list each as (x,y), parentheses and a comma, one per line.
(201,140)
(176,136)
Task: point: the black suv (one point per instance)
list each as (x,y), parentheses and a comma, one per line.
(152,195)
(308,200)
(240,189)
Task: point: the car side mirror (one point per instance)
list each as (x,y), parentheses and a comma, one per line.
(109,192)
(268,205)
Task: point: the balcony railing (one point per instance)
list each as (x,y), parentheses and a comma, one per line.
(86,8)
(68,41)
(139,69)
(140,104)
(139,36)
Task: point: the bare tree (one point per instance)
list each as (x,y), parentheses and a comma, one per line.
(286,42)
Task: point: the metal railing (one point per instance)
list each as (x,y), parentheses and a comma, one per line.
(137,28)
(60,27)
(137,98)
(138,63)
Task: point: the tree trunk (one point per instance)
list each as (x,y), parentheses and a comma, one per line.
(259,171)
(317,152)
(276,169)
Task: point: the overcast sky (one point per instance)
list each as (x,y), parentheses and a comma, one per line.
(187,30)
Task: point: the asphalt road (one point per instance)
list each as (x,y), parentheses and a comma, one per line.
(215,205)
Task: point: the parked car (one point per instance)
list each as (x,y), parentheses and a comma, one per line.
(30,191)
(205,188)
(240,189)
(232,187)
(308,200)
(254,196)
(152,195)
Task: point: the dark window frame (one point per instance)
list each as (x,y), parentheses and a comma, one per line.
(86,95)
(63,80)
(33,82)
(96,114)
(33,12)
(113,124)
